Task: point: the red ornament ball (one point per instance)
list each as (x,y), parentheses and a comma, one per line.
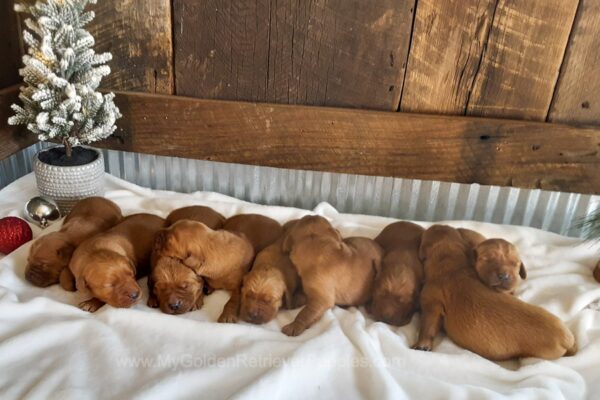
(14,232)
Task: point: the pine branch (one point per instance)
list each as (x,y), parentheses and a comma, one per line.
(590,225)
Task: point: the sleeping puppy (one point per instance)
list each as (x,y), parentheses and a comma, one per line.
(261,231)
(332,271)
(49,255)
(496,261)
(221,257)
(270,284)
(398,286)
(206,215)
(107,265)
(172,286)
(485,321)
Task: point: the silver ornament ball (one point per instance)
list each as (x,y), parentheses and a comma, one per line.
(42,211)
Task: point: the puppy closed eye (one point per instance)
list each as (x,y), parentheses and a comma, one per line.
(184,285)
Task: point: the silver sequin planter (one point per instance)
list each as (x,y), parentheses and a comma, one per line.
(67,185)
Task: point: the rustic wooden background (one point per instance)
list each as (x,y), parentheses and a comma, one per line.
(533,61)
(523,59)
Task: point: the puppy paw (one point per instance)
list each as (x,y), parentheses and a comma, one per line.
(228,318)
(91,305)
(67,281)
(421,347)
(152,302)
(293,329)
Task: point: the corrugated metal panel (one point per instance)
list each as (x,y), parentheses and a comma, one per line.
(399,198)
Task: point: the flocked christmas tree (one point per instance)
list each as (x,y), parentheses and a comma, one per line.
(62,73)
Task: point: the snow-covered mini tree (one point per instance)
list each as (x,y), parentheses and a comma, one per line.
(62,73)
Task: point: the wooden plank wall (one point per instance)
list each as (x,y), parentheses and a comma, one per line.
(518,59)
(532,60)
(348,53)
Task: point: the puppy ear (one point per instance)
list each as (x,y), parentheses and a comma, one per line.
(522,271)
(193,261)
(65,252)
(160,239)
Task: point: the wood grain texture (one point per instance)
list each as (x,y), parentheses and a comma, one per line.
(320,52)
(10,48)
(12,138)
(455,149)
(138,34)
(522,60)
(577,95)
(446,49)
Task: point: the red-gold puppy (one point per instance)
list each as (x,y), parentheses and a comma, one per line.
(221,257)
(398,285)
(49,255)
(480,319)
(261,231)
(206,215)
(173,286)
(332,271)
(106,266)
(271,283)
(496,261)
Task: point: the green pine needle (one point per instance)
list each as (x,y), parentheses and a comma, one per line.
(590,225)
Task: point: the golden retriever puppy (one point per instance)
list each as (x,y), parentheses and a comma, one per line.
(480,319)
(332,271)
(172,286)
(49,255)
(271,283)
(307,226)
(398,285)
(221,257)
(496,261)
(107,265)
(206,215)
(261,231)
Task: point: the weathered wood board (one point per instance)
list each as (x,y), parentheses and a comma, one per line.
(138,34)
(447,45)
(322,52)
(577,95)
(522,59)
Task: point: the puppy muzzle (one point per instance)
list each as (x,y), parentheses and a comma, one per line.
(40,277)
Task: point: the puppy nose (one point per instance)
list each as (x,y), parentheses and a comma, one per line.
(503,276)
(134,295)
(175,306)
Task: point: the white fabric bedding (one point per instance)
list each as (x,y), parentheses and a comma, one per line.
(51,349)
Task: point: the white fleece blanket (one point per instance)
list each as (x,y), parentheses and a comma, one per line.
(51,349)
